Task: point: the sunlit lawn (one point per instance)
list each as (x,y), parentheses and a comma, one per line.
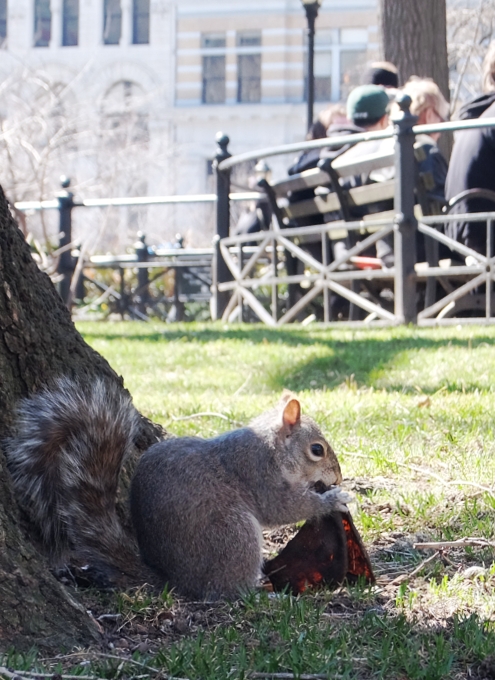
(410,414)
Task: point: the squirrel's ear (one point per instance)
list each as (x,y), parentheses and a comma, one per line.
(292,412)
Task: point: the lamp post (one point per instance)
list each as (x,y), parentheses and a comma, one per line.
(311,8)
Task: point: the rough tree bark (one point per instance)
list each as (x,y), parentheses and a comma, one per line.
(38,342)
(414,37)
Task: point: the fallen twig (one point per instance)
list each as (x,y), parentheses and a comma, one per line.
(460,543)
(134,663)
(290,676)
(244,384)
(125,660)
(205,414)
(405,577)
(104,617)
(36,674)
(95,655)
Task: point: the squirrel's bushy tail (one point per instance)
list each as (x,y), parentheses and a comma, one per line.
(65,461)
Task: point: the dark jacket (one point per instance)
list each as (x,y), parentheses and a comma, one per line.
(435,167)
(472,166)
(309,159)
(475,107)
(254,221)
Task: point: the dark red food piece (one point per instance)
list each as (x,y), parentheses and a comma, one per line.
(324,552)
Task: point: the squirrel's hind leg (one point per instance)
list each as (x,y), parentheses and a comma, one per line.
(226,563)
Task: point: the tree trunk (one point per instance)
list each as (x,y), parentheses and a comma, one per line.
(414,38)
(38,342)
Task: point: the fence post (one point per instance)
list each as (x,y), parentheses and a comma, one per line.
(406,225)
(221,273)
(65,266)
(141,250)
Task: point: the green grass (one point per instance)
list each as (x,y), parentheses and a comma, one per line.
(409,413)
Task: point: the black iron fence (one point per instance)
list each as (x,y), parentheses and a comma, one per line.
(191,267)
(248,276)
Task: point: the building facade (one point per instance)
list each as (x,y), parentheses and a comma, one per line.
(126,96)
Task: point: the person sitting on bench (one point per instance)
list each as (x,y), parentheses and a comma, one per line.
(367,109)
(472,164)
(428,103)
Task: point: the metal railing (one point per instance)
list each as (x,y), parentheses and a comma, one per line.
(65,203)
(236,278)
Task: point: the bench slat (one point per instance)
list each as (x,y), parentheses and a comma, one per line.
(304,180)
(345,166)
(370,193)
(351,162)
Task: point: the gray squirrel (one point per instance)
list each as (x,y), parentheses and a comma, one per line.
(198,506)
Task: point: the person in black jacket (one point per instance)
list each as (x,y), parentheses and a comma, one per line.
(334,116)
(472,164)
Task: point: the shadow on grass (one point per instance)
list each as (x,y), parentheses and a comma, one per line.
(355,359)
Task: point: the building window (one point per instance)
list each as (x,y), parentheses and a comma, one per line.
(353,56)
(141,22)
(214,80)
(213,40)
(249,39)
(213,91)
(323,76)
(3,23)
(352,65)
(323,65)
(42,23)
(112,22)
(124,122)
(249,68)
(70,23)
(249,78)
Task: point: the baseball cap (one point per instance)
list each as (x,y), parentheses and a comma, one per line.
(367,104)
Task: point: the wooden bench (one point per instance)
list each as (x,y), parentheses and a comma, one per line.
(335,199)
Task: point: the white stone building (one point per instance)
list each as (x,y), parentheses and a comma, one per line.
(139,89)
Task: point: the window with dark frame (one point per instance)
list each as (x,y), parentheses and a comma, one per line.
(248,68)
(249,78)
(248,39)
(213,85)
(123,121)
(112,22)
(352,64)
(3,23)
(70,23)
(323,76)
(141,22)
(212,40)
(42,23)
(214,90)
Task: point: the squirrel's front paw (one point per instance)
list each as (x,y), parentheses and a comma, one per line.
(337,499)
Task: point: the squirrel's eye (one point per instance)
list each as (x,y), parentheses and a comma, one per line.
(317,450)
